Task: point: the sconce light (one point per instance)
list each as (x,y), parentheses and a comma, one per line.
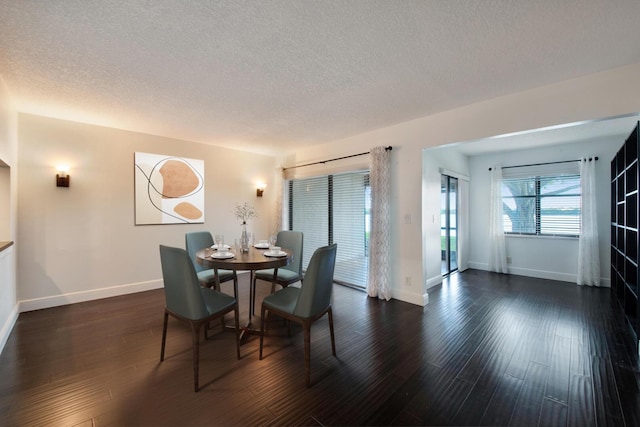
(62,178)
(260,189)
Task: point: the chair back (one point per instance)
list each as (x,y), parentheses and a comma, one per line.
(292,240)
(182,290)
(315,292)
(195,241)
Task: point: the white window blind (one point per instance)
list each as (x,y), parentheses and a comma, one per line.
(542,199)
(334,209)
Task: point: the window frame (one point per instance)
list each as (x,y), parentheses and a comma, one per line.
(538,198)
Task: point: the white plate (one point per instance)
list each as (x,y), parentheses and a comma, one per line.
(261,245)
(280,253)
(222,255)
(225,247)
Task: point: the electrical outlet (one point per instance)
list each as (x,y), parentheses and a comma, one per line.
(407,281)
(509,260)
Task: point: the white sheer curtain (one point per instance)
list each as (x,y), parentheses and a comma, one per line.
(588,253)
(497,251)
(380,181)
(276,218)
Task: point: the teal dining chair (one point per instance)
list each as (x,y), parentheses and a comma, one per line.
(189,302)
(197,240)
(307,303)
(292,273)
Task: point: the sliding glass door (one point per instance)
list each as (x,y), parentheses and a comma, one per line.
(334,209)
(449,224)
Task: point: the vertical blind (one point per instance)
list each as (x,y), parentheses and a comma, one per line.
(334,209)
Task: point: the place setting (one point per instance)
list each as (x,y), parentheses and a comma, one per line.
(275,251)
(221,250)
(270,245)
(262,244)
(222,255)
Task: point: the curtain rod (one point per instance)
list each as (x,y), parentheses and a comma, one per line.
(389,148)
(547,163)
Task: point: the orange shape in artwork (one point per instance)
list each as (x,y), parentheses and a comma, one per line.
(187,210)
(178,178)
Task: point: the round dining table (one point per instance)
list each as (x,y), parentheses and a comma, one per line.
(254,259)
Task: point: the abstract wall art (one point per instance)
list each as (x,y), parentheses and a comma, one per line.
(168,190)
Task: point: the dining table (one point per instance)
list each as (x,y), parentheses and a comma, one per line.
(252,260)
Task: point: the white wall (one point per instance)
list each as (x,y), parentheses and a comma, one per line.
(80,243)
(544,257)
(605,94)
(8,150)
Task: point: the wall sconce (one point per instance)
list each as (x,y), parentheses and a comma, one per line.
(260,189)
(62,177)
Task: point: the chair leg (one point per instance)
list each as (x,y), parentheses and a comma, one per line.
(307,352)
(273,280)
(267,315)
(213,285)
(333,340)
(235,285)
(164,335)
(252,294)
(252,302)
(261,330)
(216,281)
(237,316)
(195,331)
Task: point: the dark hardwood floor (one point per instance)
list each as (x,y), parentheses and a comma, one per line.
(489,349)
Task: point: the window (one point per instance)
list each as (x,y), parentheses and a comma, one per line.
(542,200)
(334,209)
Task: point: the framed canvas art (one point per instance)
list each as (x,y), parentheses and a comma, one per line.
(168,190)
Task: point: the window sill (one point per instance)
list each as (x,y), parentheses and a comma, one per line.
(531,236)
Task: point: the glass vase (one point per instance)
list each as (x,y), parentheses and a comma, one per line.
(244,238)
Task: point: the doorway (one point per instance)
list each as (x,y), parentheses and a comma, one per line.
(449,224)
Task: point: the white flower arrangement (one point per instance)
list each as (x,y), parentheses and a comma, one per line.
(245,212)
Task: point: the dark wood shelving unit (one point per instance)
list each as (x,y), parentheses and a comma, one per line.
(624,232)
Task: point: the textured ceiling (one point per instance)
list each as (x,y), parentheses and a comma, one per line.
(271,76)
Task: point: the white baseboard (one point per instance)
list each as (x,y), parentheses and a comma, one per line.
(478,265)
(89,295)
(8,327)
(434,281)
(540,274)
(417,299)
(410,297)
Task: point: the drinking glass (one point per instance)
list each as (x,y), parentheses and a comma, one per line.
(219,241)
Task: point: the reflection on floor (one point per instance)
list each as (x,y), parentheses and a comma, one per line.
(489,349)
